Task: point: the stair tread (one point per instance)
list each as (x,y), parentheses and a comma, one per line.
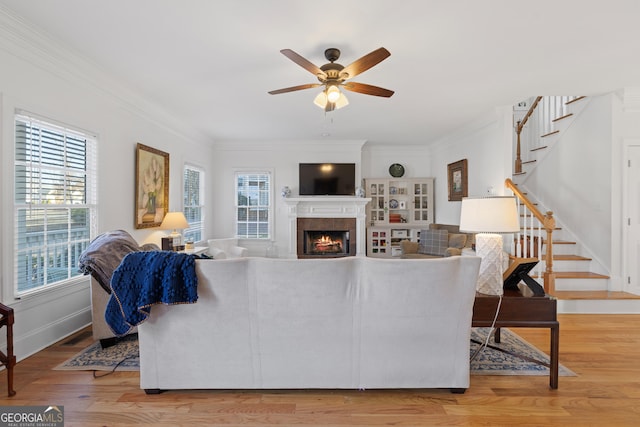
(563,242)
(539,148)
(549,134)
(579,275)
(594,295)
(575,100)
(562,117)
(568,258)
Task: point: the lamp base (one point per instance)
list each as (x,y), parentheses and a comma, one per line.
(489,248)
(177,238)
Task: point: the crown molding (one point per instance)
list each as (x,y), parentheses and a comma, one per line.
(347,146)
(22,40)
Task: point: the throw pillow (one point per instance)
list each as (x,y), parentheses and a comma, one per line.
(433,242)
(457,240)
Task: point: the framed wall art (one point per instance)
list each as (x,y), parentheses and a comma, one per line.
(152,186)
(457,178)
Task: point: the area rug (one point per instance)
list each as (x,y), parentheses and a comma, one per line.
(124,356)
(512,356)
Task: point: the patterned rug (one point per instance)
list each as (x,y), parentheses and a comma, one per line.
(124,357)
(516,358)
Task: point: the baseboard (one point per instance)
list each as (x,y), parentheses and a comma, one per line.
(599,306)
(36,340)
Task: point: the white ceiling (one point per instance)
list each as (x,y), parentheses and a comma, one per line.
(210,63)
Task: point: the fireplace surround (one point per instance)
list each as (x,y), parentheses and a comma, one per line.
(328,208)
(325,237)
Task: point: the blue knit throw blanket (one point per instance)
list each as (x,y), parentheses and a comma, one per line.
(144,279)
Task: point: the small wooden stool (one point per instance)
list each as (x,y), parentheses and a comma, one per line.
(9,359)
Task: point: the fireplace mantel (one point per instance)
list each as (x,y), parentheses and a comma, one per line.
(327,207)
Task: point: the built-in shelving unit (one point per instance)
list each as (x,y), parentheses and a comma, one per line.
(398,210)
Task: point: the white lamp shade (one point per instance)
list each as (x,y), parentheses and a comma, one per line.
(174,221)
(489,215)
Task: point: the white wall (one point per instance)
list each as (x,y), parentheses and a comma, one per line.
(281,158)
(55,84)
(486,144)
(574,179)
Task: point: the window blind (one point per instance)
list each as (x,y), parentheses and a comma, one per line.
(54,201)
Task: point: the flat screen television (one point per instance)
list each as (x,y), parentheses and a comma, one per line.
(327,179)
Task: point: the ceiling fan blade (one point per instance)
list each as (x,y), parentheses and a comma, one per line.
(304,63)
(368,89)
(294,88)
(363,64)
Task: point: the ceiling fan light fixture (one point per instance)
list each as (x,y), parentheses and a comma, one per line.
(333,93)
(321,99)
(342,101)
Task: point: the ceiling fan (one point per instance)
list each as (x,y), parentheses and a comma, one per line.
(333,76)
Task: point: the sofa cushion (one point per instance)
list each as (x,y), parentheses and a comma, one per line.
(433,242)
(409,247)
(457,240)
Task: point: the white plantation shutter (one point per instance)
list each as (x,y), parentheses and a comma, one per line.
(253,205)
(54,201)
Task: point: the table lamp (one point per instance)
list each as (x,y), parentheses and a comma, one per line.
(174,221)
(489,216)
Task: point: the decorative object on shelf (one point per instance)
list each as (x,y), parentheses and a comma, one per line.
(457,179)
(152,186)
(393,204)
(360,192)
(286,191)
(175,221)
(396,170)
(488,217)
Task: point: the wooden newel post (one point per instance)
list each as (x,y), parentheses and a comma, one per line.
(518,166)
(549,224)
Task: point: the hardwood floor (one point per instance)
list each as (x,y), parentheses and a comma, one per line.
(602,349)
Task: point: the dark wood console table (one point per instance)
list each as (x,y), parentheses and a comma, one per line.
(519,311)
(8,360)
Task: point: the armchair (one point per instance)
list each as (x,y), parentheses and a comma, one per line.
(226,248)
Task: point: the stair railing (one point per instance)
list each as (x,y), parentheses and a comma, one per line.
(519,127)
(538,123)
(528,243)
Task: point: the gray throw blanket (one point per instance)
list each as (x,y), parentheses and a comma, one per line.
(104,254)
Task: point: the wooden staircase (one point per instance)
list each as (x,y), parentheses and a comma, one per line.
(564,270)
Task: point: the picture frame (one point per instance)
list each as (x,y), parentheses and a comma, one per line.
(152,186)
(457,180)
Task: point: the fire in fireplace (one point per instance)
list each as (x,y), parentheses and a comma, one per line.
(329,243)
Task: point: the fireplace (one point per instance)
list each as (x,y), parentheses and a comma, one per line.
(327,243)
(326,237)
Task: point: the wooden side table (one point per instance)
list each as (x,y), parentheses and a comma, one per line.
(8,360)
(519,311)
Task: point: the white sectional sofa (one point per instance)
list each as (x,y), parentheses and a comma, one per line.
(354,322)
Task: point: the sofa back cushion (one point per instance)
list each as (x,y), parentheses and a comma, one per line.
(433,242)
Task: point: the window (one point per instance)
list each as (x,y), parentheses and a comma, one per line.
(253,205)
(193,203)
(54,201)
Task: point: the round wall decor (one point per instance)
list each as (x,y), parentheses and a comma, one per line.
(396,170)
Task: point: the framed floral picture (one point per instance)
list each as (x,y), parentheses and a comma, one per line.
(457,178)
(152,186)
